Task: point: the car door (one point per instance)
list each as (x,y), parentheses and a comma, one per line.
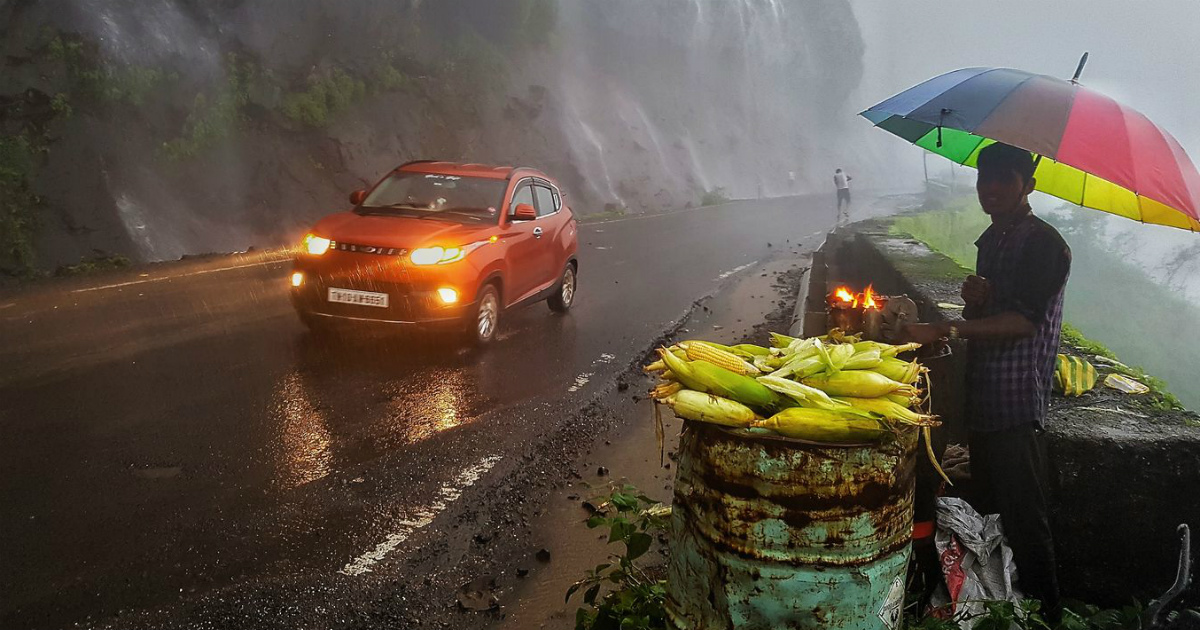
(551,222)
(524,250)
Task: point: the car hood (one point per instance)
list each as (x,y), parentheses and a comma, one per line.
(396,231)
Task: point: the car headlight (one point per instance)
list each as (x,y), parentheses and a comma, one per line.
(316,245)
(445,255)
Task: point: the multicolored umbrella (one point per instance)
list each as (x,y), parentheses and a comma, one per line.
(1094,152)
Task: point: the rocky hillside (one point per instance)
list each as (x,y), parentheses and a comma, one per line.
(160,128)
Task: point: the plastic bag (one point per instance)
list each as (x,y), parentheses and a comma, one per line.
(976,561)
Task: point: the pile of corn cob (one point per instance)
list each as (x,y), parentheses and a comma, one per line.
(833,389)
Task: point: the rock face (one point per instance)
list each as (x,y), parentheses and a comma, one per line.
(198,126)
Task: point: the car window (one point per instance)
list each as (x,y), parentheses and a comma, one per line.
(557,199)
(545,201)
(522,195)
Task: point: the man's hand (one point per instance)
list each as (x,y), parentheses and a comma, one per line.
(976,291)
(924,334)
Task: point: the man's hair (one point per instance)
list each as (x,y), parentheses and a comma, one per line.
(1007,158)
(838,171)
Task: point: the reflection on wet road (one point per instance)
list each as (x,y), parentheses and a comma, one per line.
(171,434)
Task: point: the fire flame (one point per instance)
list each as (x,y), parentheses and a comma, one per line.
(869,297)
(866,298)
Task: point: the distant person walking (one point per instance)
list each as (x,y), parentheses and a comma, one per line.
(842,182)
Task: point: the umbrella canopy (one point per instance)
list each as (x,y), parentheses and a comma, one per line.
(1095,152)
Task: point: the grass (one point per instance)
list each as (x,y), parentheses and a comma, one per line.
(1109,303)
(18,205)
(324,97)
(714,197)
(93,265)
(213,119)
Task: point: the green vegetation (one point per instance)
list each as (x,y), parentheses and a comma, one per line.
(714,197)
(93,265)
(1108,298)
(634,600)
(325,96)
(18,205)
(474,66)
(536,22)
(130,84)
(213,119)
(951,231)
(388,78)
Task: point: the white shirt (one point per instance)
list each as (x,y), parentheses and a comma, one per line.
(841,180)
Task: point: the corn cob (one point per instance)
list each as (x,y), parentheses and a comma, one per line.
(807,396)
(781,341)
(765,363)
(693,405)
(863,360)
(748,350)
(657,366)
(858,384)
(744,389)
(891,411)
(899,371)
(900,399)
(665,390)
(839,355)
(703,376)
(800,368)
(837,335)
(885,350)
(701,351)
(821,425)
(681,369)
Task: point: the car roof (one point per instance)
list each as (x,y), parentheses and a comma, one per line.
(468,170)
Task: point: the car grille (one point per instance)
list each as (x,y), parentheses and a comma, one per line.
(367,249)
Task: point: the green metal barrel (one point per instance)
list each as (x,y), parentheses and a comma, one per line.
(771,532)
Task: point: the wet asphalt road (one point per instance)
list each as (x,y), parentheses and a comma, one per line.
(180,432)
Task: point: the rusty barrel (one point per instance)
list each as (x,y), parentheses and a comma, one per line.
(771,532)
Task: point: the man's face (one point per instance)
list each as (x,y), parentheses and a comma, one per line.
(1001,191)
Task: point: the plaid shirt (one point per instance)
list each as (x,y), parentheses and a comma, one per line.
(1009,380)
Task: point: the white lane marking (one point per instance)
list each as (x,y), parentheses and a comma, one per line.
(601,248)
(737,270)
(182,275)
(447,494)
(580,381)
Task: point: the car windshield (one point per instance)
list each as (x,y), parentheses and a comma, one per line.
(430,195)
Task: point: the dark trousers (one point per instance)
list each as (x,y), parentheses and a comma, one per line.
(1008,474)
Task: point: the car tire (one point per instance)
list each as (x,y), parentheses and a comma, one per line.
(485,320)
(564,293)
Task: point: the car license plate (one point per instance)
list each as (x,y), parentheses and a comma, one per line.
(361,298)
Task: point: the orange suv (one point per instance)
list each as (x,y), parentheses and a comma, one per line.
(440,244)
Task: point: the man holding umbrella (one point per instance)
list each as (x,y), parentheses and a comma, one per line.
(1013,318)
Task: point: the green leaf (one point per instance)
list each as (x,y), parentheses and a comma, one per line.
(590,595)
(624,502)
(621,529)
(596,521)
(571,591)
(638,544)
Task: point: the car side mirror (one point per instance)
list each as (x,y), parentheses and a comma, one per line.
(524,212)
(357,197)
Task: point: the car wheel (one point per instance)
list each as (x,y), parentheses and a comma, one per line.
(564,295)
(487,316)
